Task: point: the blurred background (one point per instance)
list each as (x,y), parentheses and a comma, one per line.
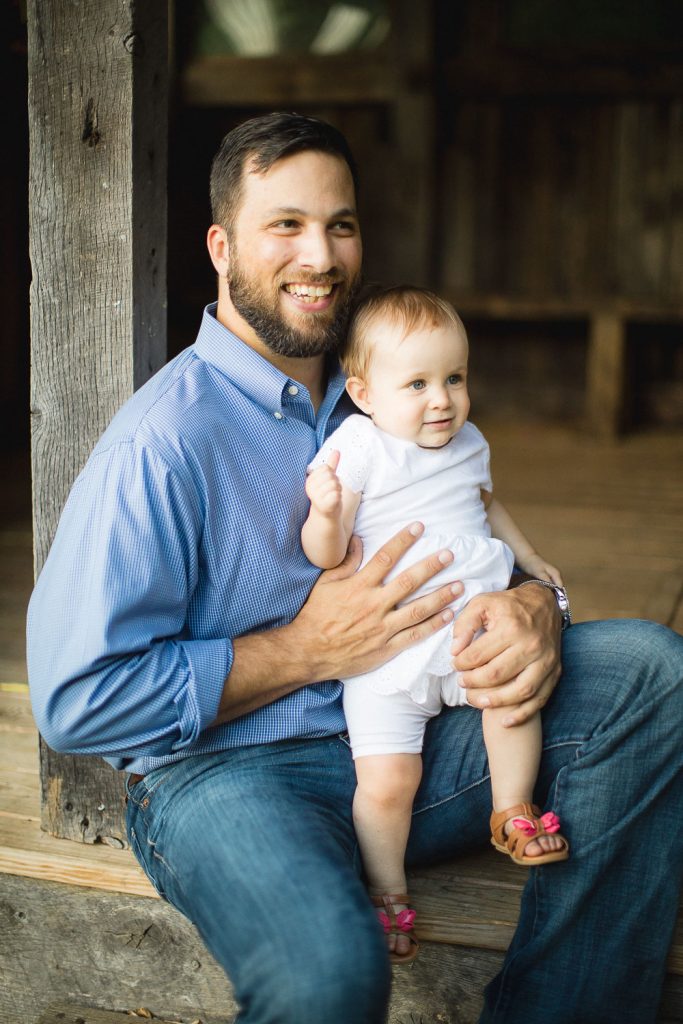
(522,157)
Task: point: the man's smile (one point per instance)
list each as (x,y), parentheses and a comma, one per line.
(316,297)
(311,290)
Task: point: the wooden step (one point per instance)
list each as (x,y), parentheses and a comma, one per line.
(88,917)
(68,1013)
(471,902)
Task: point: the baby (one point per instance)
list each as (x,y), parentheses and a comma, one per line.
(415,456)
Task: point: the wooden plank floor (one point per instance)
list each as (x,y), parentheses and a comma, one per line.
(609,514)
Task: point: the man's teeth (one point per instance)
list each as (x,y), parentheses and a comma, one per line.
(308,291)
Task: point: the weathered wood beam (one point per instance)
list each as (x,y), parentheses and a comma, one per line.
(413,117)
(70,1013)
(98,75)
(284,80)
(542,73)
(119,953)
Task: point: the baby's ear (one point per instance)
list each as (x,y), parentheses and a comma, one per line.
(358,393)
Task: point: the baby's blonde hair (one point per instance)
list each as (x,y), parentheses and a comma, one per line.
(406,307)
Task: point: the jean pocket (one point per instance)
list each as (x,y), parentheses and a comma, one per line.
(137,848)
(136,791)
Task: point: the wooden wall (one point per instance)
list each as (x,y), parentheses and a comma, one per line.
(498,161)
(560,195)
(554,166)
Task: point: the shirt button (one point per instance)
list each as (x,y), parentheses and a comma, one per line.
(278,415)
(293,389)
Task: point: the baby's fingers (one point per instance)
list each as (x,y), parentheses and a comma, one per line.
(333,460)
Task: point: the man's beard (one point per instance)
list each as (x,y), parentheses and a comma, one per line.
(322,335)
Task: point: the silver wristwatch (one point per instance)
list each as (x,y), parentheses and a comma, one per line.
(561,598)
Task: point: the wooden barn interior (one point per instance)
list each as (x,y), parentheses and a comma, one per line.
(524,158)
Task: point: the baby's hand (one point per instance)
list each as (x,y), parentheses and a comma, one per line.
(542,570)
(324,489)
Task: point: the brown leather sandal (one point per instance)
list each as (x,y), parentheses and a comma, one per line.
(397,924)
(529,824)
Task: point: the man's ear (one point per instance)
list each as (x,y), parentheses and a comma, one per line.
(219,249)
(358,392)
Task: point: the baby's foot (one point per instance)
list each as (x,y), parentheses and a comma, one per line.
(527,836)
(397,918)
(537,847)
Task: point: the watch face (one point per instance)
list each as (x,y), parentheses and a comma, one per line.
(563,605)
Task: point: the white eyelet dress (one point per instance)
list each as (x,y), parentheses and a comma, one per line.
(400,483)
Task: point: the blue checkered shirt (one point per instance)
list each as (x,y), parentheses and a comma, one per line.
(181,533)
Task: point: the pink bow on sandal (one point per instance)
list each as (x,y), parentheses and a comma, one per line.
(401,923)
(404,921)
(549,821)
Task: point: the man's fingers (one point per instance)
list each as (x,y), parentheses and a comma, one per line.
(399,589)
(523,691)
(528,705)
(386,557)
(461,640)
(471,620)
(430,622)
(471,654)
(494,678)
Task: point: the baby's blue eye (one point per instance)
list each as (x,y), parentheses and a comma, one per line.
(455,378)
(417,385)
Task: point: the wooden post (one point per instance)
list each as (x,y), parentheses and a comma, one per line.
(98,75)
(414,126)
(606,374)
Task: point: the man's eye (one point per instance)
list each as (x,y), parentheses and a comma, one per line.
(286,225)
(455,378)
(345,227)
(416,385)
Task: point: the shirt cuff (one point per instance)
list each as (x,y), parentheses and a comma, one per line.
(209,663)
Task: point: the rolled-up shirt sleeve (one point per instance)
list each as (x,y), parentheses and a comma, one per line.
(114,669)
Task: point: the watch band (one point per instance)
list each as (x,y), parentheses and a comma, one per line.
(561,598)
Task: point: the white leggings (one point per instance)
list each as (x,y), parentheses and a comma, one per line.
(391,723)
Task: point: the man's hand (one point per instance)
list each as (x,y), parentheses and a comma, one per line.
(516,660)
(351,623)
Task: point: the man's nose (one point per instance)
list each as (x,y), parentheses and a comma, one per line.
(316,251)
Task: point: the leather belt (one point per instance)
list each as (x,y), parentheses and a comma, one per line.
(134,779)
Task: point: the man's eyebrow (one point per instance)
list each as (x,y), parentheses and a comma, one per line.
(346,211)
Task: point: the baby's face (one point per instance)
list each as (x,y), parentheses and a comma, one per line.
(417,386)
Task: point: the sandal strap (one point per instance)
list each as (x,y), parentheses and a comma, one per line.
(500,818)
(395,923)
(386,900)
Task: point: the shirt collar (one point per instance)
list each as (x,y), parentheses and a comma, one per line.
(249,371)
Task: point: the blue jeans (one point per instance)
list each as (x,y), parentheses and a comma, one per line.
(256,847)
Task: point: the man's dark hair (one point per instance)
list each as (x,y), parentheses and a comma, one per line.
(262,141)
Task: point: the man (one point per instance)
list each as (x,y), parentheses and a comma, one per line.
(178,630)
